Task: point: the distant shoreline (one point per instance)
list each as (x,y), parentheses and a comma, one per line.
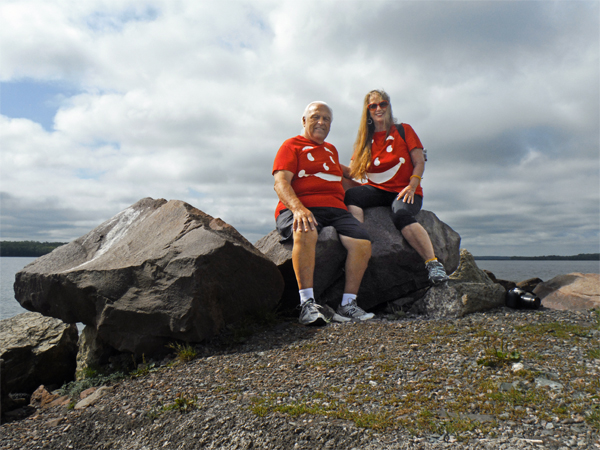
(27,248)
(580,257)
(35,248)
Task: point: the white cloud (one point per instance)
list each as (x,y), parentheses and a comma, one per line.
(190,100)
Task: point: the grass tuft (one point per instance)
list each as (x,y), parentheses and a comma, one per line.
(498,356)
(184,352)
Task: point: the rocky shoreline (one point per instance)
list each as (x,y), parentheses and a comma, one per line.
(503,379)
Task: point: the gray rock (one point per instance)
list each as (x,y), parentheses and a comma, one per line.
(36,350)
(469,290)
(457,299)
(543,382)
(395,269)
(468,271)
(156,272)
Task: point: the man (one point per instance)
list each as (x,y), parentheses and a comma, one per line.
(308,182)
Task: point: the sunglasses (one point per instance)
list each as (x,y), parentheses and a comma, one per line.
(382,105)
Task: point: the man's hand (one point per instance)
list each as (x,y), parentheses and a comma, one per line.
(304,220)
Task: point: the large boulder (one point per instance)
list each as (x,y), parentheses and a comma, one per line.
(469,290)
(575,291)
(35,350)
(395,268)
(156,272)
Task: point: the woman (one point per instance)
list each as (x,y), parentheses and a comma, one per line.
(393,166)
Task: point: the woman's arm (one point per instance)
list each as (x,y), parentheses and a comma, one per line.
(346,170)
(347,181)
(418,161)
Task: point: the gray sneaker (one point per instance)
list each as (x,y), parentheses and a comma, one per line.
(335,317)
(437,273)
(312,313)
(353,311)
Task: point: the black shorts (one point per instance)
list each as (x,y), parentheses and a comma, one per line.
(344,223)
(403,214)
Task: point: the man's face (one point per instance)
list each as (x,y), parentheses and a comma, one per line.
(317,123)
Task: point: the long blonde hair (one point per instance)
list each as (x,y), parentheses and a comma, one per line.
(362,146)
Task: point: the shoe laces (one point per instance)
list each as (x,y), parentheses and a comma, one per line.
(353,308)
(308,303)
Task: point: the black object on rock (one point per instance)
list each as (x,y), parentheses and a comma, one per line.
(519,299)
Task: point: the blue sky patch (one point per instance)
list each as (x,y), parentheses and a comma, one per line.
(116,21)
(33,100)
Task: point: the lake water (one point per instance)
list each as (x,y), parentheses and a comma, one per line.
(9,266)
(502,269)
(546,270)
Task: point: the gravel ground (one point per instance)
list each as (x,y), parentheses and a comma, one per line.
(498,380)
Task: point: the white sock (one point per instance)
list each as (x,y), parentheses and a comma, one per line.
(305,294)
(347,298)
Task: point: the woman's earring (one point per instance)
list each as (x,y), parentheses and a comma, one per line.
(370,121)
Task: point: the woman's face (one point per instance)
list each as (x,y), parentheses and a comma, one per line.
(379,115)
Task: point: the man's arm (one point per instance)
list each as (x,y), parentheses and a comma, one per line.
(303,218)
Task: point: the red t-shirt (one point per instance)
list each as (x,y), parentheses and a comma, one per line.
(391,166)
(317,173)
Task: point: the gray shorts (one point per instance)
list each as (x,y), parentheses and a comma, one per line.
(340,219)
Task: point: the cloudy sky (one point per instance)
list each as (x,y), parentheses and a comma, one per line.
(105,102)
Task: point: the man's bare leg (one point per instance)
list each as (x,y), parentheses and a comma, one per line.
(357,261)
(359,253)
(303,257)
(357,212)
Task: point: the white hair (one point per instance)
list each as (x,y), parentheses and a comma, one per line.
(315,103)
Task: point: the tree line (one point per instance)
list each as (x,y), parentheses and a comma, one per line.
(27,248)
(579,257)
(34,248)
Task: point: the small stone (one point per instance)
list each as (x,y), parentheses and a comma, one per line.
(87,392)
(55,422)
(543,382)
(517,366)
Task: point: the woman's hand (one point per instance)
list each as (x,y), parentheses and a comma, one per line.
(407,194)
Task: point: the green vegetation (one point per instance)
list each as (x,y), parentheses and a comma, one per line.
(472,402)
(74,388)
(182,403)
(556,329)
(184,352)
(143,368)
(498,356)
(27,248)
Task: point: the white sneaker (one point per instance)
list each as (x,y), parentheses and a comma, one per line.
(353,311)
